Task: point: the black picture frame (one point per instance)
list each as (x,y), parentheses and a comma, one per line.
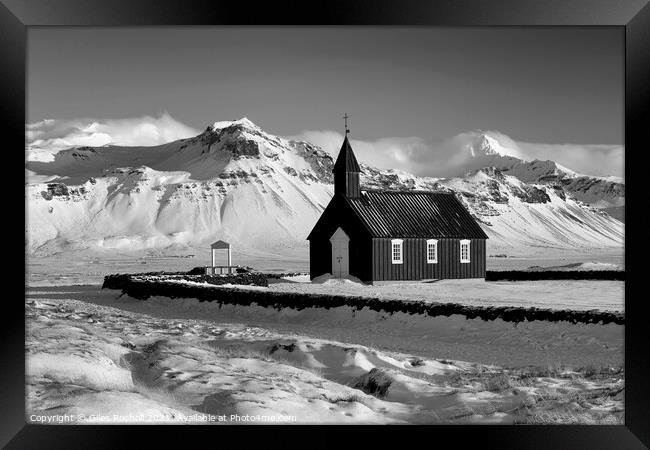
(633,17)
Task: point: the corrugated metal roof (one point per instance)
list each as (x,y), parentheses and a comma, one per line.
(346,161)
(415,214)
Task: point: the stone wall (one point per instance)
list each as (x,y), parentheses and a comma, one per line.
(520,275)
(117,281)
(142,288)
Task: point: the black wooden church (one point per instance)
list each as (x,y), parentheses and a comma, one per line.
(378,235)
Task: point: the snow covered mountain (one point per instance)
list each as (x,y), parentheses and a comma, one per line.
(601,192)
(233,182)
(515,214)
(237,182)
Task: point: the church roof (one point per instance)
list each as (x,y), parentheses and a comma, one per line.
(346,161)
(415,214)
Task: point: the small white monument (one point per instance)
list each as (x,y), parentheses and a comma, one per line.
(215,247)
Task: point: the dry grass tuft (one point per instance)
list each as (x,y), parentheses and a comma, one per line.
(376,382)
(350,398)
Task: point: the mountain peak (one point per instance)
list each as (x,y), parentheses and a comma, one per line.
(243,122)
(485,145)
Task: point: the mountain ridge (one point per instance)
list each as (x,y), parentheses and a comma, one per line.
(235,181)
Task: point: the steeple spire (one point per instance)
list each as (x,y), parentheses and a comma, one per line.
(346,117)
(346,169)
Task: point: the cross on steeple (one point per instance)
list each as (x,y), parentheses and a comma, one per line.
(346,117)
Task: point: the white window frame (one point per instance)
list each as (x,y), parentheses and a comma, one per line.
(469,250)
(434,243)
(393,243)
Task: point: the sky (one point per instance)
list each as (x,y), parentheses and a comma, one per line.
(554,93)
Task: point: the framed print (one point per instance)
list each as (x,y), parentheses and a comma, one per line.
(324,219)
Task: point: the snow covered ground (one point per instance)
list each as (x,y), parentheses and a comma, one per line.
(156,361)
(90,267)
(491,342)
(553,294)
(550,260)
(101,358)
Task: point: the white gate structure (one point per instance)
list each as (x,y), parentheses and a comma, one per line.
(229,268)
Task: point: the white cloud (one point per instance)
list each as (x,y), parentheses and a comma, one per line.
(456,155)
(387,153)
(412,154)
(49,136)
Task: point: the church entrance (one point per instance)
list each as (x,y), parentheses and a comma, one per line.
(340,254)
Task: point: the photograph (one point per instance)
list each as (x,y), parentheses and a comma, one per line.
(278,225)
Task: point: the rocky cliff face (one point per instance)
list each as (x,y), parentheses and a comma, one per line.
(237,182)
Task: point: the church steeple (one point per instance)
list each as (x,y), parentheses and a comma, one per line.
(346,171)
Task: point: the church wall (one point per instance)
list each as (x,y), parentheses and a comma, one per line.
(415,266)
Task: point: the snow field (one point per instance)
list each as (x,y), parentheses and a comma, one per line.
(184,370)
(176,374)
